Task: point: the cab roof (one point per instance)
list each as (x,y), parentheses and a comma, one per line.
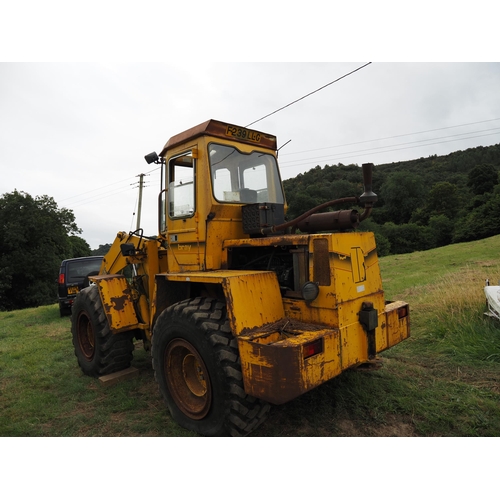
(224,130)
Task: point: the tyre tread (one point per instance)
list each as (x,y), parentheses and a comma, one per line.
(114,351)
(244,413)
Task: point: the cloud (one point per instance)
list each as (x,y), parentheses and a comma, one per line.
(78,131)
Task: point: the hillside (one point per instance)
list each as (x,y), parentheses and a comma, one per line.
(422,204)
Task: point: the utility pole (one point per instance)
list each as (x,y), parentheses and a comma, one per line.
(139,208)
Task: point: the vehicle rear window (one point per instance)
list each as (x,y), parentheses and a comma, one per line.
(79,269)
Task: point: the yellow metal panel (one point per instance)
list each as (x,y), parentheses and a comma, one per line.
(225,223)
(273,363)
(398,329)
(253,300)
(253,297)
(117,302)
(325,366)
(381,332)
(289,239)
(211,276)
(355,265)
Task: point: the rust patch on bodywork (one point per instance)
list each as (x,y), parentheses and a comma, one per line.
(286,326)
(117,301)
(321,262)
(275,361)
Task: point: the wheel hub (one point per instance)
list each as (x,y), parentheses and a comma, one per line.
(194,376)
(187,379)
(86,336)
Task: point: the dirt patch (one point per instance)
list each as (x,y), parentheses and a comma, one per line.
(393,427)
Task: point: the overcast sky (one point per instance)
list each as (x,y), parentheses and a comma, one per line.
(78,132)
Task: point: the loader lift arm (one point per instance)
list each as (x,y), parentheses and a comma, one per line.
(126,282)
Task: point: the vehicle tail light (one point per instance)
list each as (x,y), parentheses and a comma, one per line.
(61,279)
(313,348)
(403,312)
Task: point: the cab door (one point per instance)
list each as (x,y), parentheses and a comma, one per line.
(183,228)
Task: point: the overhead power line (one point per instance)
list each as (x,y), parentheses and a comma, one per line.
(104,191)
(99,196)
(372,151)
(105,187)
(310,93)
(391,137)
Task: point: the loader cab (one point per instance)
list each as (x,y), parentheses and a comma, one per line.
(211,172)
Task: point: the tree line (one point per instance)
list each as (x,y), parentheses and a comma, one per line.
(35,236)
(422,204)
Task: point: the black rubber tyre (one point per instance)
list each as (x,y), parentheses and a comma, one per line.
(64,311)
(98,351)
(197,367)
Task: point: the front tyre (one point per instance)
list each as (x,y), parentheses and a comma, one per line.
(98,351)
(198,370)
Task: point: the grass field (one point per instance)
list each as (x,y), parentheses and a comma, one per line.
(443,381)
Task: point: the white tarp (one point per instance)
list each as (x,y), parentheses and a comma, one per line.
(493,299)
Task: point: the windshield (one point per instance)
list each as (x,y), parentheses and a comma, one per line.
(81,268)
(244,178)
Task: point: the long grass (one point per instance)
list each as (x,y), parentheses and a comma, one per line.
(44,393)
(443,381)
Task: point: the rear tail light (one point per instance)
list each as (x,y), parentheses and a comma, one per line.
(313,348)
(403,312)
(61,279)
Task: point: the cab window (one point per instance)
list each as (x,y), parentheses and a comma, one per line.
(181,195)
(244,177)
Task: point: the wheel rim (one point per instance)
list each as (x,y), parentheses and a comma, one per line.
(86,336)
(187,379)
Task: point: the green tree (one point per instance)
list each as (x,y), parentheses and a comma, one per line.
(102,249)
(79,247)
(406,238)
(442,199)
(34,238)
(458,184)
(480,222)
(440,231)
(402,193)
(300,203)
(482,179)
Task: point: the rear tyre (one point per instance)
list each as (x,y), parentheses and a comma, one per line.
(98,351)
(197,367)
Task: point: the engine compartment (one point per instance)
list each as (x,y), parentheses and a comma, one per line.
(289,262)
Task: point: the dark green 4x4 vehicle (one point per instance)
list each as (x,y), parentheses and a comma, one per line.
(73,276)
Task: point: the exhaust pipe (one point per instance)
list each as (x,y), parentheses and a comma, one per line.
(368,198)
(341,220)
